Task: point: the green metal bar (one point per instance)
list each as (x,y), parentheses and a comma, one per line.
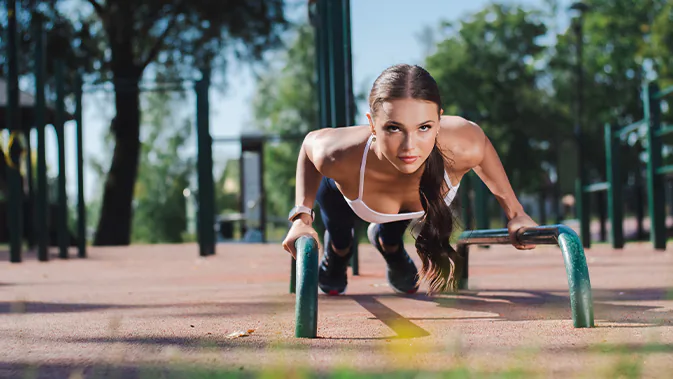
(583,207)
(621,133)
(597,187)
(15,193)
(663,92)
(615,199)
(293,275)
(42,202)
(462,266)
(306,305)
(59,126)
(467,211)
(481,203)
(81,206)
(579,284)
(352,107)
(206,192)
(665,170)
(324,78)
(656,197)
(664,129)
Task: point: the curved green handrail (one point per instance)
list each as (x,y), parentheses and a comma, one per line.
(306,304)
(579,285)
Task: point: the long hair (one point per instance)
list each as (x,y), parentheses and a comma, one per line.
(433,231)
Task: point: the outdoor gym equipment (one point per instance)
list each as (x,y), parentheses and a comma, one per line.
(305,276)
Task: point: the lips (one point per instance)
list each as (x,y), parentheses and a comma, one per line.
(408,159)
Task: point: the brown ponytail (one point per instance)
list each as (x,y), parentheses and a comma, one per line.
(435,228)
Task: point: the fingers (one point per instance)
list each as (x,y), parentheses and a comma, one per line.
(514,239)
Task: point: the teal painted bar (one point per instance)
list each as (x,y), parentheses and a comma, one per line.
(597,187)
(664,129)
(306,305)
(621,133)
(579,284)
(663,92)
(664,170)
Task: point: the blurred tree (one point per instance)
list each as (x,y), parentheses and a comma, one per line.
(159,211)
(618,41)
(488,70)
(118,40)
(285,103)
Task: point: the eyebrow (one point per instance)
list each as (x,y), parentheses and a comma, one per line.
(391,122)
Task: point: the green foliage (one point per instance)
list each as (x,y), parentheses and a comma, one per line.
(487,69)
(164,173)
(285,104)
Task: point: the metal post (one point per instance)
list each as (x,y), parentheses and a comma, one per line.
(615,201)
(466,201)
(583,207)
(655,184)
(579,283)
(323,66)
(481,203)
(42,203)
(81,206)
(63,240)
(206,196)
(15,195)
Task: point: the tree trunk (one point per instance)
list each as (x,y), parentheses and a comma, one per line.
(114,226)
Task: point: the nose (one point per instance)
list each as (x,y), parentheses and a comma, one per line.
(408,142)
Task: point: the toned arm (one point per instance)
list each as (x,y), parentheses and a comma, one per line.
(471,149)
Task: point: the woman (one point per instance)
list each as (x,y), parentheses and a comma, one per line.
(405,165)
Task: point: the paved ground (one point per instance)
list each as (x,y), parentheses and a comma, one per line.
(143,310)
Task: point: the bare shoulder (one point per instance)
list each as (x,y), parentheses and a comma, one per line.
(336,151)
(462,140)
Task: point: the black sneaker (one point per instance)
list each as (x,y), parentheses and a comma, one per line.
(402,274)
(332,275)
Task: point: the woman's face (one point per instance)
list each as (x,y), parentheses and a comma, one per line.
(405,131)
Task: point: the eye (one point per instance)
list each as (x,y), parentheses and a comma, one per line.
(426,127)
(392,128)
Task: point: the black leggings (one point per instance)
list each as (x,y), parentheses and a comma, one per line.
(339,218)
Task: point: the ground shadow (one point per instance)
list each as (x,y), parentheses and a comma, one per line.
(530,305)
(220,309)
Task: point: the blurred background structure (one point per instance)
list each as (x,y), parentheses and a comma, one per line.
(174,121)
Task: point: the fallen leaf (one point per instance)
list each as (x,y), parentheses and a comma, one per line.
(238,334)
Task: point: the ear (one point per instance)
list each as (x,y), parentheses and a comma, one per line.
(371,122)
(441,112)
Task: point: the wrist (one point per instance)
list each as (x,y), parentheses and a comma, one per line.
(303,219)
(515,211)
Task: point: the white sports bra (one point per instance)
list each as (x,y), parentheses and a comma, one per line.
(369,215)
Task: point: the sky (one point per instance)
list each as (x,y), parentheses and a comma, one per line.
(384,32)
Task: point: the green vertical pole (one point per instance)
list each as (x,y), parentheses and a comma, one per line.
(344,65)
(323,68)
(615,201)
(481,203)
(351,106)
(15,195)
(81,206)
(60,136)
(655,182)
(206,211)
(41,214)
(466,201)
(582,206)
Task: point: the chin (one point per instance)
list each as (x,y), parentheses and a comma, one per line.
(408,169)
